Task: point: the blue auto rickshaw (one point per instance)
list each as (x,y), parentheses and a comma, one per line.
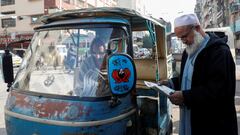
(104,92)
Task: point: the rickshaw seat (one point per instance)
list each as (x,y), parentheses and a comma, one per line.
(146,71)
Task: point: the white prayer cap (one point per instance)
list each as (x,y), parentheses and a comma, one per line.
(187,19)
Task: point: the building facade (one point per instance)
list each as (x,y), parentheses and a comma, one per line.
(213,13)
(234,6)
(19,17)
(137,5)
(220,13)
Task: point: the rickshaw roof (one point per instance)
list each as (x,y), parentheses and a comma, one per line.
(134,17)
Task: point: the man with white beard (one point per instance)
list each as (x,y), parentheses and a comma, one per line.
(205,89)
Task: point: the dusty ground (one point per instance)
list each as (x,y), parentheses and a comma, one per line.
(238,72)
(175,119)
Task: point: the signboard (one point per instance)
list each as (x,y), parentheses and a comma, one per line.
(121,74)
(4,40)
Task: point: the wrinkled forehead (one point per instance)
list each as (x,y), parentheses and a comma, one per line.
(180,30)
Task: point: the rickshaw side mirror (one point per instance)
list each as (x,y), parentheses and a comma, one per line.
(121,74)
(7,68)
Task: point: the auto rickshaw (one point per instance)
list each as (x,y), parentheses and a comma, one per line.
(104,92)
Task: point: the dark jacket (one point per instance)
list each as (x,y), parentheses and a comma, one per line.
(211,98)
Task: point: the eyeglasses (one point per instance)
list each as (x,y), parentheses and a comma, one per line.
(186,34)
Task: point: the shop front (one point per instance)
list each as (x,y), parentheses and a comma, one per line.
(15,41)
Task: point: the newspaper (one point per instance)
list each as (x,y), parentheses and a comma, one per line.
(162,88)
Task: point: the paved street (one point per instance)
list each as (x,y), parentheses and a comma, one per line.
(237,99)
(3,96)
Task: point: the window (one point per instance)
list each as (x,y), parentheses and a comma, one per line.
(8,22)
(142,45)
(90,6)
(66,1)
(35,19)
(69,1)
(8,12)
(237,37)
(76,56)
(80,3)
(7,2)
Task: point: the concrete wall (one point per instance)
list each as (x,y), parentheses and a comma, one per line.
(23,8)
(126,4)
(28,8)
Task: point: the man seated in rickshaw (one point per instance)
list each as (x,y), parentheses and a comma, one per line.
(91,76)
(90,80)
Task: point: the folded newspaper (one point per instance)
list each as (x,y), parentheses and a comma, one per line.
(162,88)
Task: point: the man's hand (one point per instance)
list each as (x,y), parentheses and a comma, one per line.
(163,82)
(177,98)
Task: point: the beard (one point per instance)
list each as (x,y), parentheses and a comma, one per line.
(198,38)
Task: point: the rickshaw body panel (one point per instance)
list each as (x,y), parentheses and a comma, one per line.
(42,115)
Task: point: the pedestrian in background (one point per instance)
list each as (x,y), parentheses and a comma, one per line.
(205,89)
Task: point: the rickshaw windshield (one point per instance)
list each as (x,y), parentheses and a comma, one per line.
(70,61)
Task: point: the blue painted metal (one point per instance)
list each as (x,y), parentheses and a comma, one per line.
(24,127)
(30,114)
(121,74)
(112,20)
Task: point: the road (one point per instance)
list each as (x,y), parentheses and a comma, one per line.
(3,96)
(237,99)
